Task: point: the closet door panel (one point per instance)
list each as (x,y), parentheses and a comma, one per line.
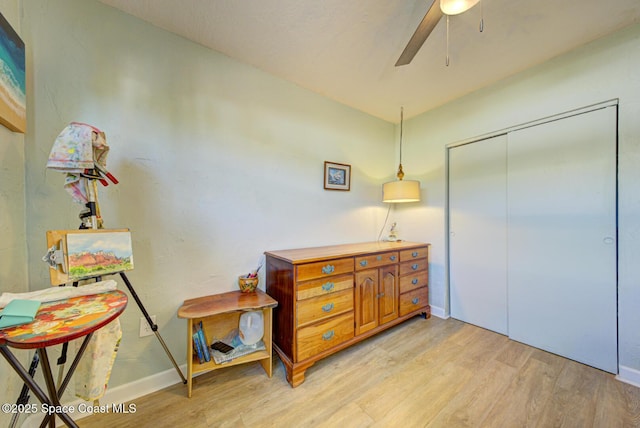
(477,228)
(561,196)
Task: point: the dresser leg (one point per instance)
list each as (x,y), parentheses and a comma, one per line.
(294,374)
(296,377)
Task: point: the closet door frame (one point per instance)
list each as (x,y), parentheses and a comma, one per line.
(478,140)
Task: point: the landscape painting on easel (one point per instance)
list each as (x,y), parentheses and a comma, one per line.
(13,98)
(95,254)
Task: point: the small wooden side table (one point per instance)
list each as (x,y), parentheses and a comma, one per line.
(220,313)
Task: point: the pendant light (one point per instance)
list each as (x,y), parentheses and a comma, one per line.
(400,191)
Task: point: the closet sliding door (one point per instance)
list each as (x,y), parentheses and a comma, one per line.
(561,264)
(478,233)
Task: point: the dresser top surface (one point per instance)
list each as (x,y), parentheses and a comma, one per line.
(311,254)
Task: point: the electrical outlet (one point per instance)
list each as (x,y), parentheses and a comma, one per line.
(145,328)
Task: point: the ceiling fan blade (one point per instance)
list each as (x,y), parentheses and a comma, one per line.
(425,28)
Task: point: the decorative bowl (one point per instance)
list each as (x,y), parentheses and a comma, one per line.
(247,285)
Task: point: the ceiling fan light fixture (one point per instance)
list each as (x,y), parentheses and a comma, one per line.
(456,7)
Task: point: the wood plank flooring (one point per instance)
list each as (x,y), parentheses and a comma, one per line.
(423,373)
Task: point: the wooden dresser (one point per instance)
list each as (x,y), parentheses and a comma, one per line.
(332,297)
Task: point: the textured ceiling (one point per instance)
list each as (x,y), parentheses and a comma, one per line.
(346,49)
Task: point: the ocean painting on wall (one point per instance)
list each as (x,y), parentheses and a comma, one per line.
(13,99)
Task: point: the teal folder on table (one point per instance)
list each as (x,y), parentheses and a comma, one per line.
(18,312)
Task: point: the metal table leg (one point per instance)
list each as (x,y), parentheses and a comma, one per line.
(53,394)
(53,399)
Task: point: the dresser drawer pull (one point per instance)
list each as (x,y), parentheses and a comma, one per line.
(328,335)
(414,281)
(415,300)
(380,295)
(328,286)
(379,258)
(415,266)
(328,307)
(328,269)
(414,254)
(392,258)
(363,263)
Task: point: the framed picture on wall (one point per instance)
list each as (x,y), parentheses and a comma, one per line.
(13,110)
(337,176)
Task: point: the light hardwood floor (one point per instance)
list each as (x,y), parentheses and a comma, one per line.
(423,373)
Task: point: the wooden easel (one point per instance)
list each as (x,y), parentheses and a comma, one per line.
(56,242)
(60,277)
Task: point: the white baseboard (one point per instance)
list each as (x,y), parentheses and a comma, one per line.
(118,395)
(439,312)
(629,375)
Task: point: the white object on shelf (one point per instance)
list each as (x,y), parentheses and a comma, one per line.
(251,327)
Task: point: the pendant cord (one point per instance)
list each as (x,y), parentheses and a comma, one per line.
(401,120)
(447,60)
(385,222)
(481,16)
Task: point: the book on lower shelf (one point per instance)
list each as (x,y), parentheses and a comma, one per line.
(203,342)
(197,348)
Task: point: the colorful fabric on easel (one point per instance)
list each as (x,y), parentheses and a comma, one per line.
(78,147)
(94,370)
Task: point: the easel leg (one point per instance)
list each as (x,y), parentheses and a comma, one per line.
(53,394)
(24,393)
(35,388)
(152,325)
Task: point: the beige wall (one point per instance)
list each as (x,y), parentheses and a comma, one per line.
(217,161)
(600,71)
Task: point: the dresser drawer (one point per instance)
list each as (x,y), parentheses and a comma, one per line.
(415,253)
(318,337)
(414,300)
(321,287)
(323,269)
(375,260)
(411,267)
(410,282)
(321,307)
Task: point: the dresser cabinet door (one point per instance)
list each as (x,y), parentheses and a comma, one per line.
(388,294)
(376,297)
(366,300)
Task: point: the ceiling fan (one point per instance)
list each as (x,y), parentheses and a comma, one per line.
(438,9)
